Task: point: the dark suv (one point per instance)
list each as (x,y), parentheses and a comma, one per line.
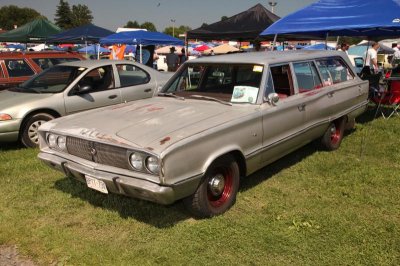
(17,67)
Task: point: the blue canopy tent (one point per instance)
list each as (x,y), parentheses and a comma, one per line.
(371,19)
(141,38)
(93,49)
(83,34)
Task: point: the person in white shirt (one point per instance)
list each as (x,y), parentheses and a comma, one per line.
(396,55)
(372,57)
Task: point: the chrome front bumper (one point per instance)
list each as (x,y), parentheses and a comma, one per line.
(121,184)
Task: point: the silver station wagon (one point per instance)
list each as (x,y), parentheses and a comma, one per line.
(217,119)
(69,88)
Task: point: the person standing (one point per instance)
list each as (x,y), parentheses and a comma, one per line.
(182,58)
(396,56)
(172,60)
(372,57)
(344,47)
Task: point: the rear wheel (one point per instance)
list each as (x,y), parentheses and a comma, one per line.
(333,135)
(218,189)
(30,137)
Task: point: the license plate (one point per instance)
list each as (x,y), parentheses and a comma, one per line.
(96,184)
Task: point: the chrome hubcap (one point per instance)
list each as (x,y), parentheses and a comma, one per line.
(217,184)
(33,131)
(333,130)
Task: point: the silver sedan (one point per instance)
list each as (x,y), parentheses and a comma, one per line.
(69,88)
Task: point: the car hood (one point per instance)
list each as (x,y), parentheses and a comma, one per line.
(12,99)
(153,124)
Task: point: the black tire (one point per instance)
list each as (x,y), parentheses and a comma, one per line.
(217,191)
(29,133)
(333,135)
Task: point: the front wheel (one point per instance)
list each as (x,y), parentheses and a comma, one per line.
(333,135)
(30,137)
(218,189)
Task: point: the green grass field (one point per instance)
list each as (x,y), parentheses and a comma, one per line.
(311,207)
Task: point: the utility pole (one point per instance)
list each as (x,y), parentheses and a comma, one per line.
(173,27)
(272,5)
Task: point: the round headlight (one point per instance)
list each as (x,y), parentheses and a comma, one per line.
(62,142)
(52,140)
(152,164)
(136,161)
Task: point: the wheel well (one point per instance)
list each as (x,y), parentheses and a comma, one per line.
(240,160)
(28,115)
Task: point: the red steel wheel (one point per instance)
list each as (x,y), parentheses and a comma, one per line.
(217,190)
(333,135)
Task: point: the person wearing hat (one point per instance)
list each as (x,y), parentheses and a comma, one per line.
(172,60)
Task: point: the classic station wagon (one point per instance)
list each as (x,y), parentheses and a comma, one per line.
(218,118)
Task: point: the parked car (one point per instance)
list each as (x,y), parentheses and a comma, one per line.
(217,119)
(17,67)
(357,62)
(69,88)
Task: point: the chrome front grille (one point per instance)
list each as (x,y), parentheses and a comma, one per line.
(98,152)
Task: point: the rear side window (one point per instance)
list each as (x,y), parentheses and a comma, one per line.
(307,76)
(18,68)
(334,70)
(130,75)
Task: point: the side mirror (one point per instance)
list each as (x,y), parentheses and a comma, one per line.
(273,98)
(83,89)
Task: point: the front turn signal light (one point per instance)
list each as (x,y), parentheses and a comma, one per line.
(4,117)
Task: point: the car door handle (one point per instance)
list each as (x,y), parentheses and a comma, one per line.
(302,107)
(112,96)
(147,90)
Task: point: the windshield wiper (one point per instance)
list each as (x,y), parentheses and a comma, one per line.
(170,94)
(211,99)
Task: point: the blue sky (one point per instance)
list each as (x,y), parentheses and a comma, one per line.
(111,14)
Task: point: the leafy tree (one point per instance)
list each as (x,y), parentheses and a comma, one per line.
(81,15)
(148,26)
(177,30)
(133,25)
(13,15)
(224,18)
(63,15)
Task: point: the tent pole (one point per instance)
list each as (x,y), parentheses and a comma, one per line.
(274,42)
(98,51)
(86,49)
(326,41)
(337,41)
(140,47)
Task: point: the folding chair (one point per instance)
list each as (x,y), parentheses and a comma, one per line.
(389,98)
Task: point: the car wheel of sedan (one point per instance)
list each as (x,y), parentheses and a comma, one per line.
(218,189)
(30,137)
(333,135)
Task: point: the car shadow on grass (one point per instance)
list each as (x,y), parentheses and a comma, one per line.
(274,168)
(6,146)
(157,215)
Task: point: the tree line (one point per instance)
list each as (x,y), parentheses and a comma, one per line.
(68,17)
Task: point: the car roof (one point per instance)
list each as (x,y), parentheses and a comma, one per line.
(4,55)
(99,63)
(267,57)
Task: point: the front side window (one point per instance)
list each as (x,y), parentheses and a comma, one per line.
(234,83)
(51,80)
(18,68)
(99,79)
(131,75)
(334,70)
(307,76)
(282,80)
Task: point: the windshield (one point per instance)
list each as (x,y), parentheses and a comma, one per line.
(52,80)
(232,83)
